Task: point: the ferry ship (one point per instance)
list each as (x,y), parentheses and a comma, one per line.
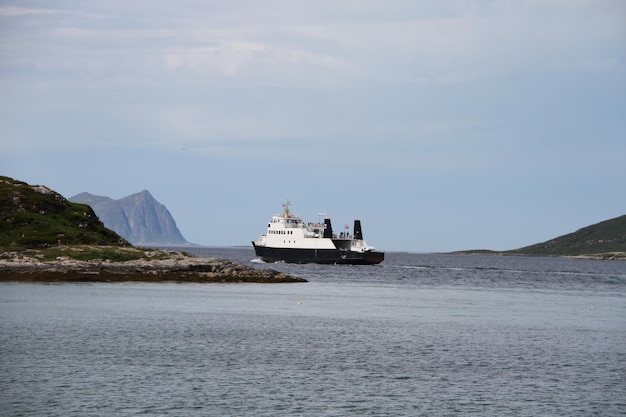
(289,239)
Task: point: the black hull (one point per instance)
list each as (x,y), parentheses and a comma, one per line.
(318,256)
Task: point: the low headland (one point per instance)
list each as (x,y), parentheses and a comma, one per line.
(605,240)
(46,238)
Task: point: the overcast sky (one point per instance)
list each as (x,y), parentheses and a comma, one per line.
(441,124)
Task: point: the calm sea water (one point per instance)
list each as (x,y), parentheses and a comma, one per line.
(431,335)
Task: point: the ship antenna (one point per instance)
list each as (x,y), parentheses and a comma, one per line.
(286,207)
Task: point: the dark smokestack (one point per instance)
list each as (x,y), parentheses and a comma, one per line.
(358,233)
(328,229)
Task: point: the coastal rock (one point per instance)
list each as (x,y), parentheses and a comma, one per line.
(177,269)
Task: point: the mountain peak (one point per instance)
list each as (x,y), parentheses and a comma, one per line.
(139,217)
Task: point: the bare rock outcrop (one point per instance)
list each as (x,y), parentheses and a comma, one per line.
(179,269)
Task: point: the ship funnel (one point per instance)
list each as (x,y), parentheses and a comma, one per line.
(328,229)
(358,233)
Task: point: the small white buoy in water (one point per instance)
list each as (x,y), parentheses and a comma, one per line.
(299,303)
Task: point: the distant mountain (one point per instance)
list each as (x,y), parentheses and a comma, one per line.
(604,238)
(34,216)
(139,218)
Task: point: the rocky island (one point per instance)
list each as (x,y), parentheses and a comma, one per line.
(146,265)
(46,238)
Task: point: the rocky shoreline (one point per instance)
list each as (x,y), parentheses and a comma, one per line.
(16,268)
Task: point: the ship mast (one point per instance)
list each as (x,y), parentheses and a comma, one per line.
(286,209)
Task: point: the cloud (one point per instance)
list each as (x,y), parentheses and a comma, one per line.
(459,45)
(228,58)
(439,42)
(242,59)
(312,71)
(12,11)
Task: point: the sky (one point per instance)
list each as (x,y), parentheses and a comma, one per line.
(442,125)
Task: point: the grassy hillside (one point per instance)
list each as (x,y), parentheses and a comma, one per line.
(604,238)
(33,216)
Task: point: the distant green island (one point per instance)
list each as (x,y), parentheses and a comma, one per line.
(604,240)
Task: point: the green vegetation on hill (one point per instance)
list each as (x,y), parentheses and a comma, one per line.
(33,216)
(604,239)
